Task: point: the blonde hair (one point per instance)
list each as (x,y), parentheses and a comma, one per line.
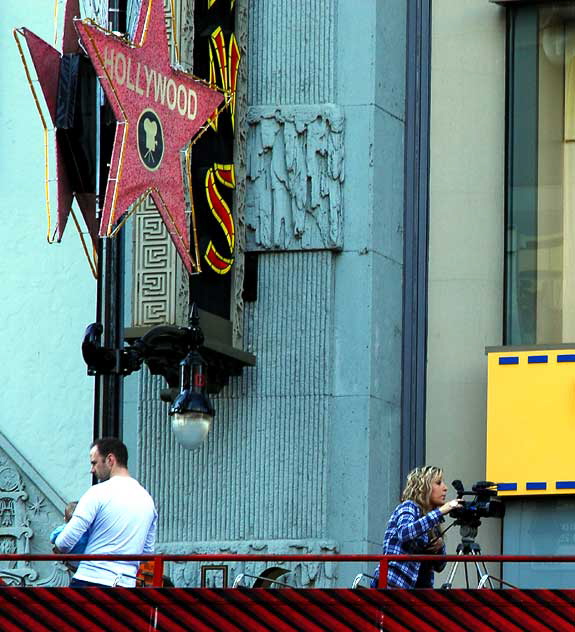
(418,485)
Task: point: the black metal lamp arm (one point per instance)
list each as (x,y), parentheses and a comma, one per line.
(162,349)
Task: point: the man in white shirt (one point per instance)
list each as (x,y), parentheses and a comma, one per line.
(119,516)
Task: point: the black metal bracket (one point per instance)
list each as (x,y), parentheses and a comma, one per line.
(162,348)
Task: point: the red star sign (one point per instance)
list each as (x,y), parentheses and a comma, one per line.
(158,110)
(46,60)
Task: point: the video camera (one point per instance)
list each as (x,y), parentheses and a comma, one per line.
(484,505)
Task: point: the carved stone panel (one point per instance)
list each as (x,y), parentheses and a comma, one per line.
(295,175)
(97,10)
(240,164)
(298,575)
(29,510)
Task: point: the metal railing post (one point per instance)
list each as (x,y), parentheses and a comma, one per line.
(157,579)
(383,568)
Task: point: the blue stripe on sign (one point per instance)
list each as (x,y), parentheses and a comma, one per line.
(506,487)
(566,357)
(509,360)
(565,485)
(534,485)
(541,359)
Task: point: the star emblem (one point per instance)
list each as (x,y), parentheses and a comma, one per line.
(159,110)
(36,506)
(46,60)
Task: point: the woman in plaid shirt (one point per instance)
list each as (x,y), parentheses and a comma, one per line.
(414,528)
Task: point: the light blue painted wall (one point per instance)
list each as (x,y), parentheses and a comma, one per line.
(48,293)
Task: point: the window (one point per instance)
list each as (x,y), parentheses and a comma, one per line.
(540,214)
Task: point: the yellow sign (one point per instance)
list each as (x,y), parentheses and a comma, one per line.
(531,421)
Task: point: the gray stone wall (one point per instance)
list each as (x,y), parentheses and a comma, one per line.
(261,473)
(292,52)
(259,482)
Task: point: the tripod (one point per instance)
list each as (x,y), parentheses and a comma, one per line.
(468,546)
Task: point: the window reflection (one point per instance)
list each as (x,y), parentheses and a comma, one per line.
(540,260)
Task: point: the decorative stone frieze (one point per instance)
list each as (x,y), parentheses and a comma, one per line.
(240,162)
(29,510)
(295,174)
(299,575)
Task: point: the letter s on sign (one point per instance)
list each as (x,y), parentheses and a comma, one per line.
(221,211)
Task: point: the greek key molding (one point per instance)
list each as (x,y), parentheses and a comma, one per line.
(154,269)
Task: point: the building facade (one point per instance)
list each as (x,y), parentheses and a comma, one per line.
(396,213)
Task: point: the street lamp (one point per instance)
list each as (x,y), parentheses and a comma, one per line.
(192,413)
(161,349)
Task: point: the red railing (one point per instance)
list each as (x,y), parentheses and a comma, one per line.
(383,560)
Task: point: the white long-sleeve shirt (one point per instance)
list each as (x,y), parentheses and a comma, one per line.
(120,518)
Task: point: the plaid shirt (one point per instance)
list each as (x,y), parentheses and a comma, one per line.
(408,532)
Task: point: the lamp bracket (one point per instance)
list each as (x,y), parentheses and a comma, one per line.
(162,348)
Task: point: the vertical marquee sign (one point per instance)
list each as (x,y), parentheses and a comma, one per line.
(216,59)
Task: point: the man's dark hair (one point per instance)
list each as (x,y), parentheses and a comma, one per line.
(111,445)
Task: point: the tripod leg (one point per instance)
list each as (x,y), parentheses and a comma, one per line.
(466,575)
(486,577)
(479,573)
(449,583)
(482,573)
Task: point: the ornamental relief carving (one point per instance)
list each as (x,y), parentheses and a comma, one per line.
(27,516)
(297,575)
(295,175)
(155,270)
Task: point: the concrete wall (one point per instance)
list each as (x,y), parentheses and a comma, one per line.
(368,281)
(48,292)
(466,235)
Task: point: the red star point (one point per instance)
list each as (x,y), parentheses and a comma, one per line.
(46,60)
